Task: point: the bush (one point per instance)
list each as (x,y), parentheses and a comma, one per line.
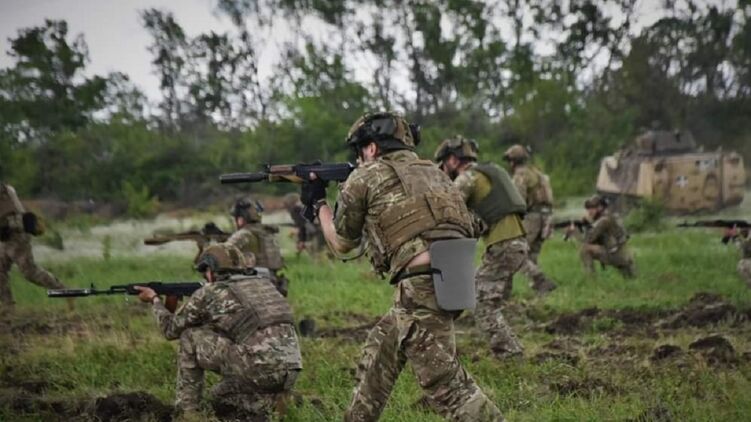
(140,201)
(648,215)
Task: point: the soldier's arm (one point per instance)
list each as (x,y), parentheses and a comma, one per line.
(597,231)
(191,314)
(343,231)
(465,184)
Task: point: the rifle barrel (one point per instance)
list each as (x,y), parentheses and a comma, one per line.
(233,178)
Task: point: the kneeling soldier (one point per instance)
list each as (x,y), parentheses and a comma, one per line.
(606,240)
(237,325)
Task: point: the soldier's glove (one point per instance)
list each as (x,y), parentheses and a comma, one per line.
(312,194)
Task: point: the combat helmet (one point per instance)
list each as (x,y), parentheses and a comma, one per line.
(516,153)
(595,201)
(390,130)
(459,146)
(248,209)
(221,257)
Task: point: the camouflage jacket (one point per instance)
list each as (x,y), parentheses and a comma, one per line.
(258,240)
(746,247)
(607,231)
(211,306)
(530,183)
(371,190)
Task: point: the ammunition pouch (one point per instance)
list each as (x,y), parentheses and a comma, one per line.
(263,307)
(453,268)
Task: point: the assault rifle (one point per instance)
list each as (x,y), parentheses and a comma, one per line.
(173,291)
(293,173)
(581,226)
(728,225)
(210,232)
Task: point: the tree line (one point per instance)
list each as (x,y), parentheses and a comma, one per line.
(571,79)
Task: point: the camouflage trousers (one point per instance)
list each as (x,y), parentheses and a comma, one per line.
(247,390)
(535,225)
(17,250)
(744,269)
(494,283)
(416,330)
(621,259)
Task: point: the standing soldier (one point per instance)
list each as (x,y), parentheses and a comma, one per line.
(307,232)
(406,207)
(488,190)
(237,325)
(744,265)
(259,240)
(605,241)
(16,228)
(534,186)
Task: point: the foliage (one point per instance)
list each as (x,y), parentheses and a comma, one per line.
(139,200)
(647,215)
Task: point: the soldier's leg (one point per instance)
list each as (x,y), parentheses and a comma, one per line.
(623,261)
(20,252)
(494,281)
(6,296)
(744,270)
(429,343)
(590,253)
(200,349)
(379,367)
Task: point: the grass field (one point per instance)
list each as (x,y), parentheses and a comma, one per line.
(590,345)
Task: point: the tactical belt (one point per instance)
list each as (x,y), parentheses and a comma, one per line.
(542,209)
(415,271)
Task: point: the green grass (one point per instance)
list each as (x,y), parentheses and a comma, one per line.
(111,343)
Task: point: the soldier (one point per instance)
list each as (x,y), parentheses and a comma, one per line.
(16,228)
(403,205)
(488,191)
(237,325)
(307,232)
(744,265)
(254,238)
(534,186)
(605,241)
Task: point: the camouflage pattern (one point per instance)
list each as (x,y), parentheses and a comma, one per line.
(17,249)
(744,265)
(516,153)
(605,242)
(537,225)
(255,372)
(363,130)
(494,283)
(307,232)
(260,245)
(415,329)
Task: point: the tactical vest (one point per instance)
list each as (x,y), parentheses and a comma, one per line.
(268,254)
(504,199)
(542,192)
(431,210)
(746,248)
(263,307)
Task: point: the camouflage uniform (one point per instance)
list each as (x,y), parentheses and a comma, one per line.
(744,265)
(256,239)
(259,361)
(307,232)
(605,242)
(531,185)
(503,257)
(415,329)
(15,247)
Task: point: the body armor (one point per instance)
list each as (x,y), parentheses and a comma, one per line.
(504,199)
(541,193)
(746,248)
(268,254)
(263,307)
(430,211)
(11,211)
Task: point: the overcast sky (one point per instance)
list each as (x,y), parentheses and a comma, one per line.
(118,42)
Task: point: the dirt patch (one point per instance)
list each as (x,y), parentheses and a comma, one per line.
(567,358)
(571,323)
(613,350)
(656,413)
(129,406)
(715,349)
(356,334)
(587,387)
(20,402)
(665,351)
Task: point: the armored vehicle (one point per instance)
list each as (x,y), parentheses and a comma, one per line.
(669,167)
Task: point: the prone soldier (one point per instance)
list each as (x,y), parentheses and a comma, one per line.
(488,191)
(257,239)
(534,187)
(605,241)
(237,325)
(406,207)
(16,228)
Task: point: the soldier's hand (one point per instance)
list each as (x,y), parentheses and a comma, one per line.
(300,246)
(146,294)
